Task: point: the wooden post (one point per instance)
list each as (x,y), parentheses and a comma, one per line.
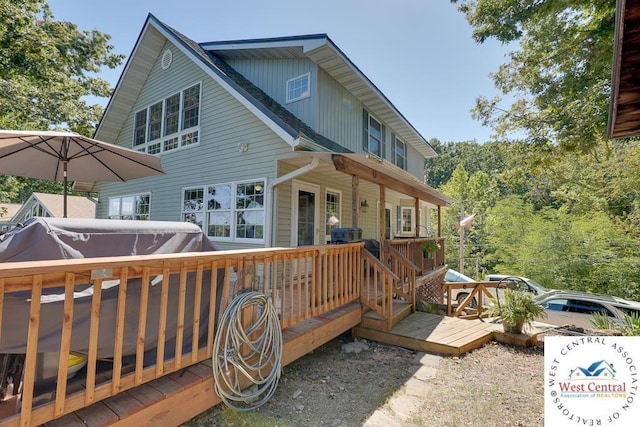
(381,221)
(417,209)
(355,203)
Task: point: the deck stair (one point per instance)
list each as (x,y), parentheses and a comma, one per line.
(374,320)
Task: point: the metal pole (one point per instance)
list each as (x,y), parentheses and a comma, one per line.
(461,228)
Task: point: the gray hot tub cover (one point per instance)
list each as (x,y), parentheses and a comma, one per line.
(58,238)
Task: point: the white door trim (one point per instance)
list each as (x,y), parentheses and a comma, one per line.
(296,186)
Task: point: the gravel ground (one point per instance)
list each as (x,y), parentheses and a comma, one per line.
(496,385)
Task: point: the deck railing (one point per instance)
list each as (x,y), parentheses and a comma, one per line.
(154,298)
(406,271)
(378,287)
(472,306)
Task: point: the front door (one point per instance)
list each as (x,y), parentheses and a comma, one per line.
(305,213)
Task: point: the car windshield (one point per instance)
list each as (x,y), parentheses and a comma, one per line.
(537,285)
(454,276)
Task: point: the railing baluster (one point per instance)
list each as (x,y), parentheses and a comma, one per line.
(65,345)
(119,333)
(32,351)
(142,323)
(197,307)
(92,357)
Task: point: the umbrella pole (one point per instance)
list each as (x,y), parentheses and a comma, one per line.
(64,189)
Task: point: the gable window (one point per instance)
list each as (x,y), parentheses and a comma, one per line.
(133,207)
(399,153)
(38,210)
(298,88)
(231,211)
(374,135)
(168,124)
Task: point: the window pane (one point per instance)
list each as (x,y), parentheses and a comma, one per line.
(375,136)
(193,200)
(249,224)
(194,218)
(219,224)
(298,88)
(191,107)
(171,116)
(127,206)
(139,134)
(400,150)
(219,197)
(114,206)
(250,195)
(155,121)
(332,212)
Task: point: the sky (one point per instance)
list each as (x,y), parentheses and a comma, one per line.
(419,53)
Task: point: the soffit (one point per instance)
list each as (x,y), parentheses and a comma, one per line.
(371,170)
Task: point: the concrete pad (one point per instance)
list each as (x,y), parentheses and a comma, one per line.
(381,418)
(425,373)
(429,359)
(416,387)
(405,406)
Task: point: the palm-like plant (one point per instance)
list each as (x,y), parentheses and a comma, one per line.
(516,309)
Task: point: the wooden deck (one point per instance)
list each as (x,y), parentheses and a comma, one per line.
(175,398)
(433,333)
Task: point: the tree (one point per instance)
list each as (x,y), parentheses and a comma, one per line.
(47,69)
(560,73)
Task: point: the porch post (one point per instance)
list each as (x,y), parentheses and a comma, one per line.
(439,220)
(381,220)
(355,202)
(418,223)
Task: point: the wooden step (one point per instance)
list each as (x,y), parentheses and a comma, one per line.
(373,320)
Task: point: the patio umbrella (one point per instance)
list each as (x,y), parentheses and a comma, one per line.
(62,156)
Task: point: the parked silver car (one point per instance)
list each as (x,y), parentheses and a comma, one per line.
(518,282)
(566,308)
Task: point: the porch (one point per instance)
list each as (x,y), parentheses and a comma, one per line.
(319,292)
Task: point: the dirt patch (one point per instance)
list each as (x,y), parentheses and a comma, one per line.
(384,385)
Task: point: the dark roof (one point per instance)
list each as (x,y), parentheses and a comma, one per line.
(624,111)
(289,122)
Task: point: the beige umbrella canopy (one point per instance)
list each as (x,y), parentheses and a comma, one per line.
(62,156)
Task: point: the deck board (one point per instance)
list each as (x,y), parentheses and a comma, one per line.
(431,332)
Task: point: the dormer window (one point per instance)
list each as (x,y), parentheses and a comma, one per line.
(298,88)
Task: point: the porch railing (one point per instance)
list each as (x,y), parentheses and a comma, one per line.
(410,249)
(154,298)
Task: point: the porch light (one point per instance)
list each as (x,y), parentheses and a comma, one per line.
(364,206)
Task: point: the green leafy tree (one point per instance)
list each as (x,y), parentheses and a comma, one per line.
(476,192)
(48,69)
(558,73)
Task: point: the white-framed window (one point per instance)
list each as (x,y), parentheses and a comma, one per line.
(133,207)
(232,211)
(299,88)
(399,153)
(374,135)
(406,220)
(168,124)
(333,212)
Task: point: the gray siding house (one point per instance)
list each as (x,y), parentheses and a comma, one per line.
(266,142)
